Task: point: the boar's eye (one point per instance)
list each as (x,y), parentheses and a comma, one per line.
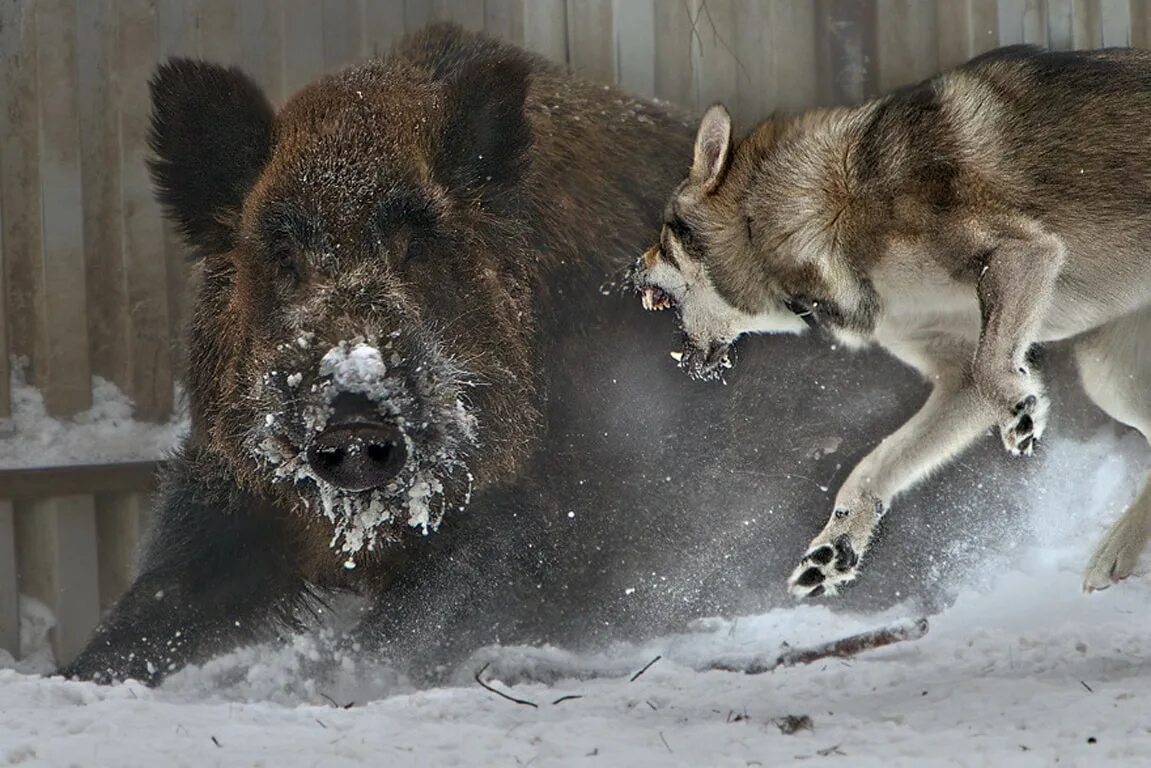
(289,262)
(407,222)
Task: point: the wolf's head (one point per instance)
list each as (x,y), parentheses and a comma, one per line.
(749,242)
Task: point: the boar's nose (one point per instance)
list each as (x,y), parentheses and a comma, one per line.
(357,450)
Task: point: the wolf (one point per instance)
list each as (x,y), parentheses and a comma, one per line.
(956,223)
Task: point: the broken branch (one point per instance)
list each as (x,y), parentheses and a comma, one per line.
(842,648)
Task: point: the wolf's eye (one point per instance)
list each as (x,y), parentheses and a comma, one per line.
(803,307)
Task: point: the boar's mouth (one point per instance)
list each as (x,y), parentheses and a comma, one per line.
(376,447)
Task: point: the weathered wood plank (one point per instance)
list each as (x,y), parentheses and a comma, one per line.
(793,36)
(260,30)
(545,28)
(417,14)
(1116,22)
(383,26)
(303,59)
(117,541)
(633,24)
(5,373)
(143,233)
(26,484)
(1087,24)
(591,41)
(220,31)
(848,62)
(109,332)
(469,14)
(907,45)
(1140,23)
(9,583)
(983,20)
(342,33)
(20,186)
(66,383)
(1060,24)
(178,34)
(717,68)
(56,539)
(505,19)
(953,33)
(755,92)
(1035,22)
(675,36)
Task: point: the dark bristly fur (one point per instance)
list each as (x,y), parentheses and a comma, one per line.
(956,223)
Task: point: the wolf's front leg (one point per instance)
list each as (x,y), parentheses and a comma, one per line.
(1015,290)
(953,416)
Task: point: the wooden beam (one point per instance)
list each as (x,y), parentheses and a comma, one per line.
(41,482)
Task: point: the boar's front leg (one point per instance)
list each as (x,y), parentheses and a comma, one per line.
(215,573)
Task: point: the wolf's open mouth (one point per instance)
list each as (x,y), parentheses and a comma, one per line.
(655,299)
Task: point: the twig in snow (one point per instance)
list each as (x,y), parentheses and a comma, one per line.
(1085,685)
(497,692)
(843,648)
(790,724)
(646,667)
(569,697)
(661,738)
(216,742)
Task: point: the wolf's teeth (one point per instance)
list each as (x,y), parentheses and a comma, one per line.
(677,356)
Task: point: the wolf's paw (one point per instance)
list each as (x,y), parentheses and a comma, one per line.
(1117,555)
(1024,424)
(824,568)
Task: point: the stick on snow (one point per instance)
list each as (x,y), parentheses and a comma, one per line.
(842,648)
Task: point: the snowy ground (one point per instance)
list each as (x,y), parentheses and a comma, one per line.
(1023,669)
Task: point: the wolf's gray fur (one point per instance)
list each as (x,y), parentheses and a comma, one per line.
(956,223)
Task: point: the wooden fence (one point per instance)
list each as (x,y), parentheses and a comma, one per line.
(92,282)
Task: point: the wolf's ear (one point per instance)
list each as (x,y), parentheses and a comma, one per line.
(712,149)
(211,135)
(487,134)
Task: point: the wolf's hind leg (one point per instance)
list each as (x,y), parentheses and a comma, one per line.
(1115,366)
(953,416)
(1015,289)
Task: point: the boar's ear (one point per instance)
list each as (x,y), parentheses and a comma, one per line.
(211,134)
(712,149)
(487,134)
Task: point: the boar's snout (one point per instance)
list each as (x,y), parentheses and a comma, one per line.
(357,451)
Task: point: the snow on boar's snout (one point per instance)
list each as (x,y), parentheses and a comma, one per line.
(373,432)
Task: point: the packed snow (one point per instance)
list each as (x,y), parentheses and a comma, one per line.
(1022,669)
(105,433)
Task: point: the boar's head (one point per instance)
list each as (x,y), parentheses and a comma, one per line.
(362,343)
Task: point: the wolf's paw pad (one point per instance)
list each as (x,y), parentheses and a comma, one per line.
(1116,558)
(1024,426)
(824,568)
